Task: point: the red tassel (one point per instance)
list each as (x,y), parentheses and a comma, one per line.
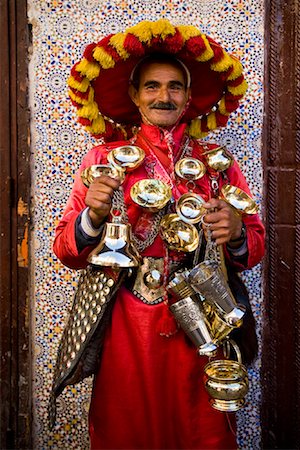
(88,52)
(174,43)
(133,45)
(167,325)
(195,46)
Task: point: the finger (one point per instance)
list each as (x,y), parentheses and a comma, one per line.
(105,180)
(215,203)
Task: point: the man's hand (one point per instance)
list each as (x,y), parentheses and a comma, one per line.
(223,221)
(99,197)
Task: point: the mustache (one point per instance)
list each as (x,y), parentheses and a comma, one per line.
(164,105)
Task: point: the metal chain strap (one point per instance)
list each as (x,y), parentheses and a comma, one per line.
(118,203)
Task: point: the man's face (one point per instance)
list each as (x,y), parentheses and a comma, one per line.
(161,95)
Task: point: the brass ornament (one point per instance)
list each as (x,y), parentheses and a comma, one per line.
(190,169)
(179,235)
(239,199)
(219,159)
(96,170)
(189,208)
(127,157)
(151,193)
(226,382)
(148,285)
(115,249)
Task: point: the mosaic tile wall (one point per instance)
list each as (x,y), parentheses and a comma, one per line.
(61,29)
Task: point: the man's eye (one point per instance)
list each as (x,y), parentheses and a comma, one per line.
(176,88)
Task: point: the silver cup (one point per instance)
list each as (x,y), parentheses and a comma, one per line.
(208,280)
(190,316)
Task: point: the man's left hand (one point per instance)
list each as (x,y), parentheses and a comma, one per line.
(224,222)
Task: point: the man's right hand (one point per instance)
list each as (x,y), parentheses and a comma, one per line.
(99,198)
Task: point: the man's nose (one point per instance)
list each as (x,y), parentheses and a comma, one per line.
(164,94)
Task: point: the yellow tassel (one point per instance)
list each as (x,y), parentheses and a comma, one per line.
(208,53)
(81,86)
(188,31)
(82,101)
(195,128)
(211,121)
(142,31)
(90,111)
(238,90)
(223,64)
(222,107)
(162,28)
(117,41)
(237,69)
(105,60)
(98,126)
(90,69)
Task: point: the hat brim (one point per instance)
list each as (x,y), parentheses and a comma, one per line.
(111,91)
(99,83)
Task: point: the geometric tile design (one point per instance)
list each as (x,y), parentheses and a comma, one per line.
(61,30)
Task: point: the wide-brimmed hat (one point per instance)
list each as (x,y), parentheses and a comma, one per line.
(99,81)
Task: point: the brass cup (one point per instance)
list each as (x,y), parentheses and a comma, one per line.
(151,193)
(219,159)
(239,199)
(190,169)
(115,249)
(220,329)
(179,235)
(127,157)
(226,382)
(189,208)
(96,170)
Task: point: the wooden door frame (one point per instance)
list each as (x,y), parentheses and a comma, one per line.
(280,416)
(15,365)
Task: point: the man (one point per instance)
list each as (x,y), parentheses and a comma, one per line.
(148,391)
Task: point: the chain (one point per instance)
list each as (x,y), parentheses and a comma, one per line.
(118,203)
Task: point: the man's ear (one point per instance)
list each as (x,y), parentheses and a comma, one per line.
(133,94)
(189,93)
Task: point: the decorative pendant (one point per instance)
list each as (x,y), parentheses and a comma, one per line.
(152,194)
(219,159)
(179,235)
(190,168)
(127,157)
(239,199)
(189,208)
(96,170)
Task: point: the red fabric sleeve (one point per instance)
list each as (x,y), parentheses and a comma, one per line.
(65,243)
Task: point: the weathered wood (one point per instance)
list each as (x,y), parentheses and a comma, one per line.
(281,336)
(14,224)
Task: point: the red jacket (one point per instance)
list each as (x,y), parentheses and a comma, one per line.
(65,243)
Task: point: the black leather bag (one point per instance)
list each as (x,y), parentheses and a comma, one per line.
(245,336)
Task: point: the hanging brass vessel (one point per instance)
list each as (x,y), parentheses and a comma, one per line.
(226,382)
(190,169)
(189,207)
(239,199)
(115,249)
(151,193)
(219,159)
(96,170)
(179,235)
(127,157)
